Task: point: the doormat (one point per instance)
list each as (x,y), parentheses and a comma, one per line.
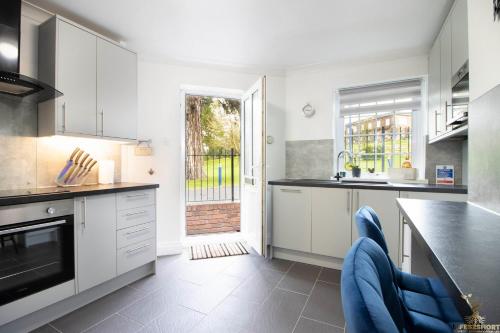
(206,251)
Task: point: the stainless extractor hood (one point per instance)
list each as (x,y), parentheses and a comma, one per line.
(12,83)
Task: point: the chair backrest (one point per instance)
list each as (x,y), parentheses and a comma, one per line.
(369,226)
(369,298)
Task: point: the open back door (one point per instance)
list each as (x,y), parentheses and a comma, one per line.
(253,162)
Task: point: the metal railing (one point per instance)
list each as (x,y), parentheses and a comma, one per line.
(214,176)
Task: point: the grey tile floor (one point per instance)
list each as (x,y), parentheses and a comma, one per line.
(245,294)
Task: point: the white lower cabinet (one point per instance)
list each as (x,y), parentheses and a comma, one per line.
(111,241)
(384,203)
(331,221)
(136,255)
(95,239)
(292,218)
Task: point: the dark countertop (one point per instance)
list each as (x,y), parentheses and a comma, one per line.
(458,189)
(23,196)
(462,242)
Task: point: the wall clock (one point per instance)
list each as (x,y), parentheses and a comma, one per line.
(308,110)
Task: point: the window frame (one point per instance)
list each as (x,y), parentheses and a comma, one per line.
(419,126)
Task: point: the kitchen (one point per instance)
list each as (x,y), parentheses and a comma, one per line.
(92,163)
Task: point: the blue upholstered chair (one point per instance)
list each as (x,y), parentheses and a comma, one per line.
(369,298)
(421,297)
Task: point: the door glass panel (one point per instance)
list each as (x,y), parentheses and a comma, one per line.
(248,136)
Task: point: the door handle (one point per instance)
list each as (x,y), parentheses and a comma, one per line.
(32,227)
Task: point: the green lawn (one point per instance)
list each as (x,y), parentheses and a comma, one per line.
(211,169)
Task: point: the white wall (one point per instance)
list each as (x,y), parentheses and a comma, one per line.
(484,48)
(317,86)
(160,118)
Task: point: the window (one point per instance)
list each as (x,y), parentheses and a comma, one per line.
(378,123)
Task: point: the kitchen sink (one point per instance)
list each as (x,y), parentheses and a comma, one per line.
(327,181)
(364,182)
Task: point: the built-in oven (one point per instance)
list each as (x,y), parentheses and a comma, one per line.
(36,247)
(459,98)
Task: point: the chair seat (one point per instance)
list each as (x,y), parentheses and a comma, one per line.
(423,285)
(428,296)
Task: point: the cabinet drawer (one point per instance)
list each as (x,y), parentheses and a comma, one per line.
(132,235)
(133,199)
(135,216)
(135,255)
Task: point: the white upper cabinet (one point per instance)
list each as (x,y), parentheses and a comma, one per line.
(69,64)
(459,36)
(116,91)
(98,80)
(434,89)
(448,54)
(445,41)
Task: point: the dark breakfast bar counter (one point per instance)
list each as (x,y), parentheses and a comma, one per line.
(462,243)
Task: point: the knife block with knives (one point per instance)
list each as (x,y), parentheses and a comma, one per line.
(76,170)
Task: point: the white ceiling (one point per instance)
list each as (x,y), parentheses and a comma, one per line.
(267,34)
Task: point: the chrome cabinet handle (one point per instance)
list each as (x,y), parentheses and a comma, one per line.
(32,227)
(290,190)
(136,195)
(138,248)
(136,213)
(348,202)
(436,122)
(64,117)
(136,231)
(102,122)
(357,199)
(84,217)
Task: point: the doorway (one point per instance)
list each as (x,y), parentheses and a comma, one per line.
(212,164)
(219,175)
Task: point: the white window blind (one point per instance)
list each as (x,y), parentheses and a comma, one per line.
(378,98)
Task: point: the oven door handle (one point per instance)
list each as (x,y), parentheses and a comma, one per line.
(32,227)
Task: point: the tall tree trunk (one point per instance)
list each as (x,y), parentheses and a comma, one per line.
(194,144)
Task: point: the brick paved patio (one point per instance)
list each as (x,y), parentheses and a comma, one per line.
(207,218)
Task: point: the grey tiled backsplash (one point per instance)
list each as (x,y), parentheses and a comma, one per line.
(18,131)
(444,153)
(27,161)
(309,158)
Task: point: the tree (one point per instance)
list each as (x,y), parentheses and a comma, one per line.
(194,144)
(212,123)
